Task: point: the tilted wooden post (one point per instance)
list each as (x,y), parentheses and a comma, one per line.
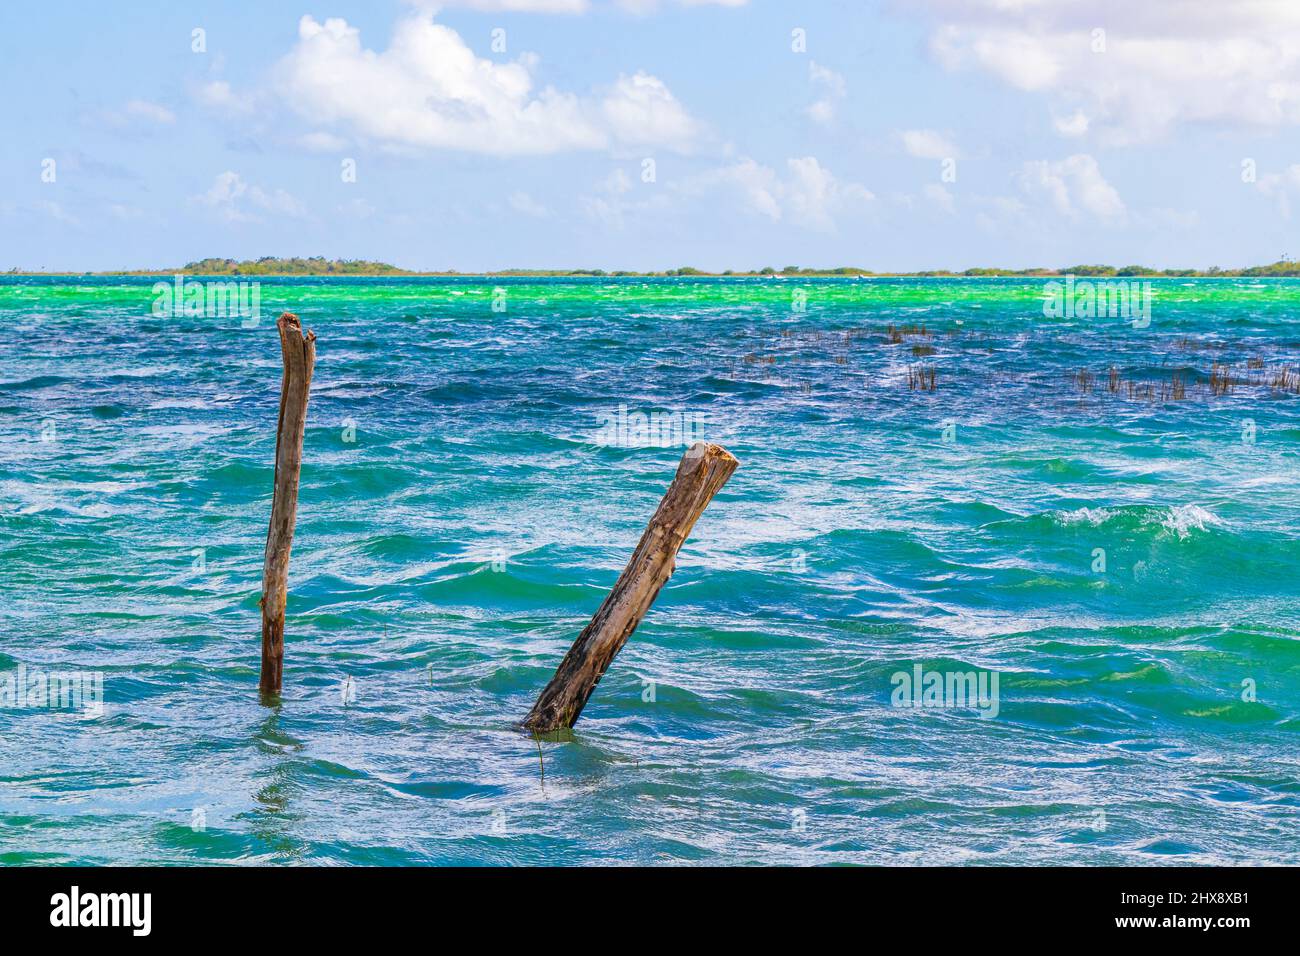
(703,470)
(299,353)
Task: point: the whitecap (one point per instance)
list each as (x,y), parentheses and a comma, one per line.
(1090,516)
(1182,519)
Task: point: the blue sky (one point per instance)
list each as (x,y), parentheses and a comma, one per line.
(649,134)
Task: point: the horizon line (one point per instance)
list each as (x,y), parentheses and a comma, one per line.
(319,267)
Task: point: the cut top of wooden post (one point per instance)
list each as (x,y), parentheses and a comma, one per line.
(704,469)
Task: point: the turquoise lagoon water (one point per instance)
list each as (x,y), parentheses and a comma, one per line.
(1128,567)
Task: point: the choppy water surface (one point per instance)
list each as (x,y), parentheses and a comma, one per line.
(861,536)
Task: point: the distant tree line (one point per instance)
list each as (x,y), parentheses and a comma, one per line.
(320,266)
(274,266)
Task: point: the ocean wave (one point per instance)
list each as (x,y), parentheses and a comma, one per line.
(1177,520)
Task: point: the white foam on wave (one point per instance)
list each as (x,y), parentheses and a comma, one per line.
(1089,516)
(1179,520)
(1182,519)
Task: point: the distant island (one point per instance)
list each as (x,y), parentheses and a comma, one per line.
(320,266)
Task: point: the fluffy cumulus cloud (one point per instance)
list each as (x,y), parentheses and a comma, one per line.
(805,194)
(1074,187)
(640,111)
(1130,71)
(429,90)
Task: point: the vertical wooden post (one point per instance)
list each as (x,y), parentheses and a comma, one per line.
(299,352)
(703,470)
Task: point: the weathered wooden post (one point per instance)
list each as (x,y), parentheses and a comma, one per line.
(299,353)
(703,470)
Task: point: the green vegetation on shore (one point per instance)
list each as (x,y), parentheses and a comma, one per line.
(319,266)
(273,266)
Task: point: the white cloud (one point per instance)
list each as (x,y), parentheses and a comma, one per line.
(1074,186)
(825,76)
(640,110)
(429,90)
(234,200)
(802,194)
(927,144)
(808,195)
(1131,71)
(758,186)
(813,195)
(832,88)
(219,95)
